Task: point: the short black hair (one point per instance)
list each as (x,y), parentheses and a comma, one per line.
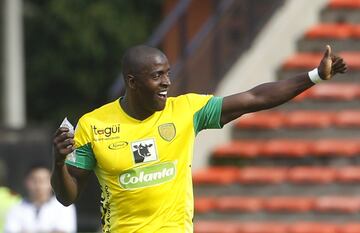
(135,57)
(36,165)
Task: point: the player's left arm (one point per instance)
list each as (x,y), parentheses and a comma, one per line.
(268,95)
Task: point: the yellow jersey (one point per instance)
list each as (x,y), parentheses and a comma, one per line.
(144,167)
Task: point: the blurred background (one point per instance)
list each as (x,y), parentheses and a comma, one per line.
(293,169)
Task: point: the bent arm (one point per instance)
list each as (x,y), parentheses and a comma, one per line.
(263,96)
(68,182)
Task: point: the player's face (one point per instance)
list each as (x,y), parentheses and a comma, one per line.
(38,185)
(154,83)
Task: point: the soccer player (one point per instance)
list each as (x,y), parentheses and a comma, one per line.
(140,146)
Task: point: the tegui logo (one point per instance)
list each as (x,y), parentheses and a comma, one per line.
(107,131)
(144,151)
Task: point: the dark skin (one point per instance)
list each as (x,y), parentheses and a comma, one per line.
(147,81)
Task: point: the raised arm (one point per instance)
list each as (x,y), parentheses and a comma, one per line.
(67,181)
(272,94)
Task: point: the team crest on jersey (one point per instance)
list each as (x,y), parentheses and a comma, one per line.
(144,151)
(167,131)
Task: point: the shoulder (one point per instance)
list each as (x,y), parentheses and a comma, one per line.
(20,207)
(101,112)
(192,101)
(190,98)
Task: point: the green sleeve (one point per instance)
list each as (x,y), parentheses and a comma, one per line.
(83,158)
(208,117)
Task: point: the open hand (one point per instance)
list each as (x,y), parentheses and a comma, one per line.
(330,65)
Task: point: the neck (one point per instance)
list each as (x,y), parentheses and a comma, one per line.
(134,108)
(38,202)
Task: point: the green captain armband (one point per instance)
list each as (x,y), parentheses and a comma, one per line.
(83,158)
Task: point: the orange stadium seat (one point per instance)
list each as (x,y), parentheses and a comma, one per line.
(216,175)
(261,175)
(310,60)
(337,204)
(204,204)
(261,227)
(318,175)
(356,31)
(276,175)
(334,91)
(344,4)
(239,227)
(302,61)
(216,227)
(243,148)
(348,118)
(308,119)
(348,174)
(261,120)
(352,59)
(288,204)
(302,96)
(349,228)
(334,31)
(238,204)
(328,147)
(286,147)
(313,227)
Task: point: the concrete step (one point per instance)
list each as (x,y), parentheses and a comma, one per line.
(329,15)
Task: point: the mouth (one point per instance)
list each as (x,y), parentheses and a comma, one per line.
(162,94)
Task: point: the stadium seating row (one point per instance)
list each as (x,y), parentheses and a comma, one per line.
(274,227)
(223,175)
(331,92)
(289,148)
(287,204)
(247,183)
(334,31)
(350,4)
(299,119)
(307,60)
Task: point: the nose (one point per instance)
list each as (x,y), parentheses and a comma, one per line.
(166,80)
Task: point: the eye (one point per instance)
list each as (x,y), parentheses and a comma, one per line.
(156,76)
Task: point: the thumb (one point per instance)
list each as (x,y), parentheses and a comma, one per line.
(327,52)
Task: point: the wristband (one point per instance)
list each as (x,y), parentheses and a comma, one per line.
(314,76)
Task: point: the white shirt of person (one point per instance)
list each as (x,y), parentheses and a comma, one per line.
(50,217)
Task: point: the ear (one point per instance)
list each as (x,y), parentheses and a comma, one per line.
(130,81)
